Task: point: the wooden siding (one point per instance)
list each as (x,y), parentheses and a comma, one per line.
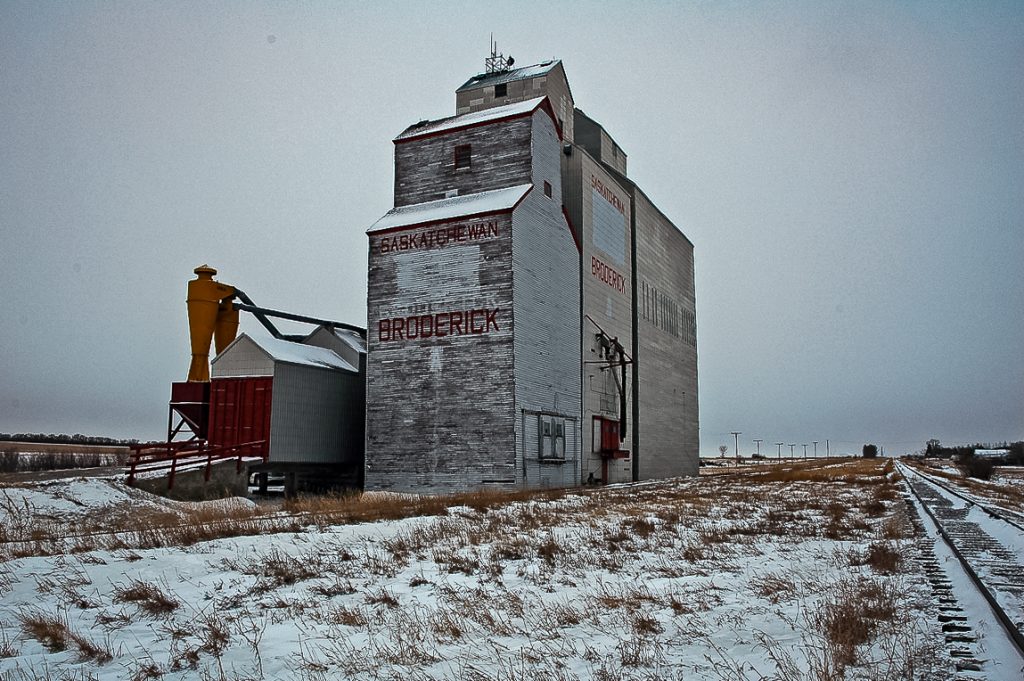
(608,306)
(425,167)
(592,136)
(440,409)
(553,85)
(667,347)
(546,303)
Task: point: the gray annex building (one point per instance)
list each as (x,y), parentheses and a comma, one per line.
(530,310)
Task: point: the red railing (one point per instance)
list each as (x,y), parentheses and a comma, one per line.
(170,456)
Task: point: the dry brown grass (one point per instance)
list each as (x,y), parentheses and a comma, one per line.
(852,470)
(337,587)
(373,506)
(873,507)
(895,527)
(549,549)
(24,533)
(346,616)
(774,588)
(148,597)
(7,647)
(640,527)
(882,557)
(146,669)
(33,457)
(850,616)
(447,625)
(382,597)
(684,531)
(100,653)
(1005,493)
(51,631)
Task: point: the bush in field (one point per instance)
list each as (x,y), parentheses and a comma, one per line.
(976,467)
(12,461)
(8,460)
(870,451)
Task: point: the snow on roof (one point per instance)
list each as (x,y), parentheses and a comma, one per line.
(354,339)
(297,353)
(490,201)
(509,76)
(465,120)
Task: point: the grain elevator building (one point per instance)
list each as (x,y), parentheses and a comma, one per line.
(530,311)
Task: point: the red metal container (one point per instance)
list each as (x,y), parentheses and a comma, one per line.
(190,402)
(240,410)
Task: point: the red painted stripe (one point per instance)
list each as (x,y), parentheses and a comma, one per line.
(543,104)
(467,216)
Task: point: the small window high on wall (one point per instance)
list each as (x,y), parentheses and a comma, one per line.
(501,90)
(463,155)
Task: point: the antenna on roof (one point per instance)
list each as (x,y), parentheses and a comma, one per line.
(497,63)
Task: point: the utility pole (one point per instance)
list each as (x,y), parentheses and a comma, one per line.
(791,455)
(736,435)
(758,441)
(780,449)
(815,449)
(805,450)
(828,450)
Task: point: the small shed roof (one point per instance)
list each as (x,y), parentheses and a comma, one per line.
(481,203)
(509,76)
(288,352)
(424,128)
(353,339)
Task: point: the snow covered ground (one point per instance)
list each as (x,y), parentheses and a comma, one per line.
(994,548)
(787,571)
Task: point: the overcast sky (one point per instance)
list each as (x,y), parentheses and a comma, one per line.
(851,174)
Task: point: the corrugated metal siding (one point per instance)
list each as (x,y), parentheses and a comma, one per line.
(667,356)
(240,410)
(425,168)
(353,426)
(607,300)
(440,412)
(242,358)
(546,304)
(315,416)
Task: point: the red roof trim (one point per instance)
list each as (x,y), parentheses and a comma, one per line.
(550,109)
(468,216)
(543,104)
(402,228)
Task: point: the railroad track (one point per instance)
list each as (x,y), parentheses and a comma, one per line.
(983,539)
(1014,518)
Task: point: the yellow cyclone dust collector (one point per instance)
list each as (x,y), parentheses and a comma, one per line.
(211,316)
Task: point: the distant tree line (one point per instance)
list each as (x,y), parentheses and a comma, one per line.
(63,439)
(1014,457)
